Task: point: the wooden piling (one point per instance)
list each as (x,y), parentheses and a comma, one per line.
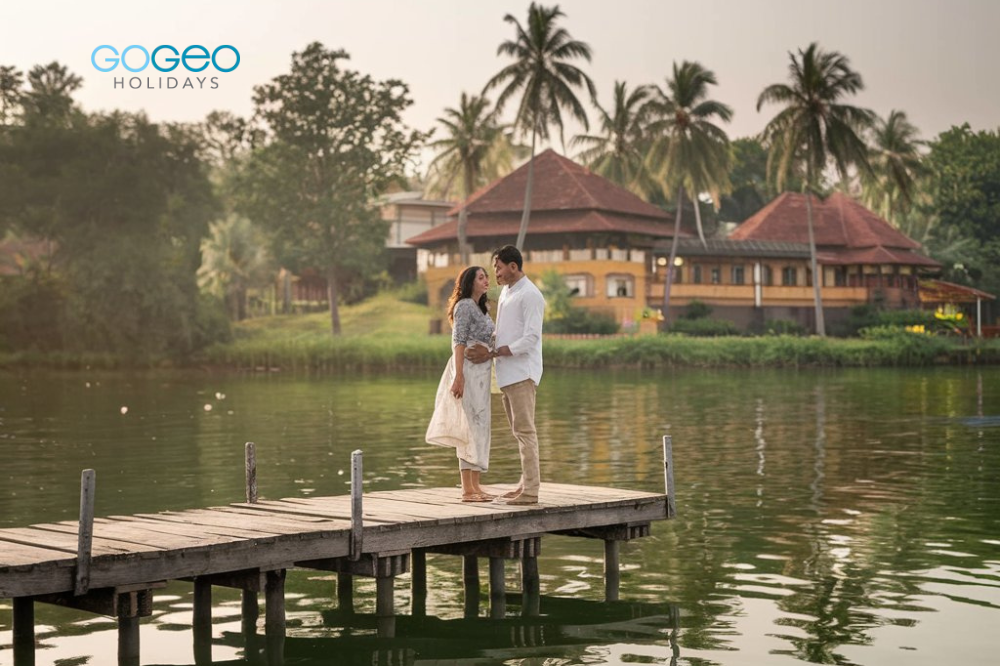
(274,603)
(345,592)
(470,581)
(202,621)
(498,591)
(24,631)
(418,582)
(530,587)
(251,467)
(128,640)
(612,573)
(357,522)
(85,531)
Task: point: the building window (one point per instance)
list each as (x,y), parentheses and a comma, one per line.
(716,275)
(696,279)
(789,277)
(840,276)
(580,284)
(767,275)
(678,274)
(738,275)
(620,286)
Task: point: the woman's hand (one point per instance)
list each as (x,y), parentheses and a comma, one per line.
(458,387)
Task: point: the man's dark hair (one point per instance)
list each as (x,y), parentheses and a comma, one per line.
(507,254)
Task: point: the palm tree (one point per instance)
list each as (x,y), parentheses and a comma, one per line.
(814,129)
(689,151)
(896,165)
(619,152)
(476,150)
(543,73)
(233,259)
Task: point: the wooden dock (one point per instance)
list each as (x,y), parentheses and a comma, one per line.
(114,565)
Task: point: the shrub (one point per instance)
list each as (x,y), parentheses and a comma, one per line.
(413,292)
(704,328)
(582,322)
(697,310)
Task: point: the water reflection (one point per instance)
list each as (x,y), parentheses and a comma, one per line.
(831,517)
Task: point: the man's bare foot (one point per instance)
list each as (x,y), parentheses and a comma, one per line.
(512,494)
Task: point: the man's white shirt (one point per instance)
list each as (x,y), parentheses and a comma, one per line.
(520,311)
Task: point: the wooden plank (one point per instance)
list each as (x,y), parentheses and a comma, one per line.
(67,543)
(14,554)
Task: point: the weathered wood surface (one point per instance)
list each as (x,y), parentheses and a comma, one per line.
(277,534)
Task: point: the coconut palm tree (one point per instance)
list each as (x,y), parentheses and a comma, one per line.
(896,164)
(619,152)
(233,259)
(476,150)
(545,76)
(689,152)
(814,129)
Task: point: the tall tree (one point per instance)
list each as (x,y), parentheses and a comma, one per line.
(11,80)
(50,92)
(896,165)
(544,75)
(690,152)
(814,129)
(476,149)
(336,140)
(619,152)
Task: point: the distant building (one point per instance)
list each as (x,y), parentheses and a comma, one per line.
(409,214)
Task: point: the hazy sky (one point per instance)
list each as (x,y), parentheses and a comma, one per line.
(935,59)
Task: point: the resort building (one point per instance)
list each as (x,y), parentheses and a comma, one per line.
(612,249)
(597,235)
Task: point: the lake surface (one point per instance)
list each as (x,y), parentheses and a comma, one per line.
(842,517)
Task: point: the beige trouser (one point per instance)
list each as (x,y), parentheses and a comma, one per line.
(519,403)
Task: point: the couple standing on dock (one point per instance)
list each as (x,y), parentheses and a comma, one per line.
(462,407)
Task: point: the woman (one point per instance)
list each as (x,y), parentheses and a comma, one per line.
(462,408)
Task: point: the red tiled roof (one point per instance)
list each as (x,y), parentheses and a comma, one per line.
(563,222)
(838,222)
(875,256)
(559,184)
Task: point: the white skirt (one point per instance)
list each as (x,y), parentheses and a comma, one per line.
(464,423)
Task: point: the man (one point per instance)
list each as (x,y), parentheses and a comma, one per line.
(518,354)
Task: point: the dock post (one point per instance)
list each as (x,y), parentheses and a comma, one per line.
(274,615)
(385,617)
(668,474)
(418,582)
(202,622)
(612,573)
(85,531)
(530,587)
(128,640)
(498,592)
(345,592)
(24,631)
(250,611)
(357,521)
(251,466)
(470,580)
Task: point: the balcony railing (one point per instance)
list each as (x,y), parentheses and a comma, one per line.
(445,260)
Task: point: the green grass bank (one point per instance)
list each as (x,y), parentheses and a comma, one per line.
(384,333)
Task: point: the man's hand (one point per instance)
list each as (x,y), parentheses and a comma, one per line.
(478,354)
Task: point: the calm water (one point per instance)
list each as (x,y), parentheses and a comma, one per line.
(848,517)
